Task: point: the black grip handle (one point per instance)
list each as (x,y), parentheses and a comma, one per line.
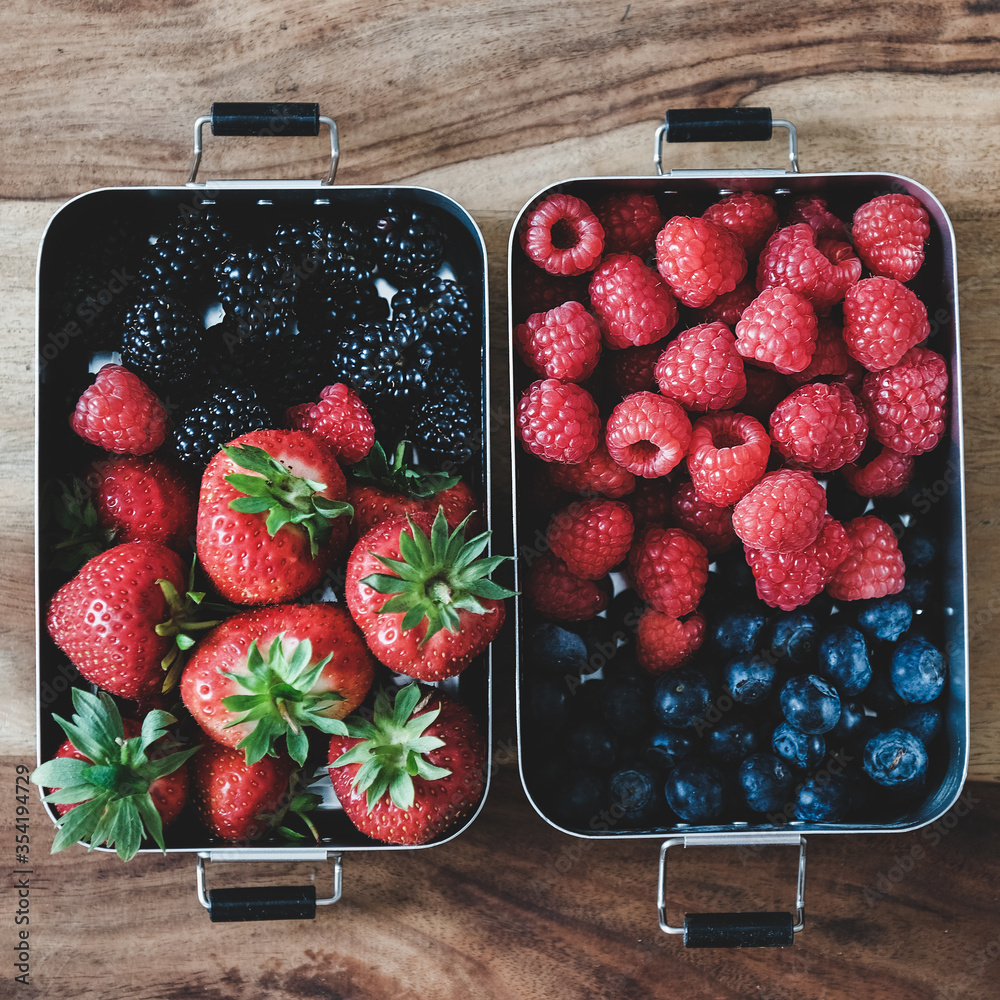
(251,118)
(294,902)
(718,124)
(738,930)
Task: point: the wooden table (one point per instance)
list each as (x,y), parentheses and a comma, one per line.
(489,102)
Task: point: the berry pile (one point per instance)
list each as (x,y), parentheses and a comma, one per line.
(732,608)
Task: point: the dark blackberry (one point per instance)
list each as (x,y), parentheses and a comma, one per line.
(225,413)
(448,430)
(322,312)
(328,256)
(438,307)
(257,290)
(410,243)
(162,341)
(182,259)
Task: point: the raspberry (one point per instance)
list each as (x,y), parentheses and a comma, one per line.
(669,570)
(886,475)
(889,232)
(591,536)
(830,360)
(562,235)
(820,269)
(883,319)
(558,421)
(596,474)
(765,389)
(534,290)
(702,369)
(340,419)
(873,566)
(631,221)
(813,212)
(710,525)
(782,513)
(906,403)
(120,413)
(728,307)
(699,259)
(633,369)
(554,592)
(562,343)
(750,216)
(787,580)
(778,329)
(648,434)
(819,427)
(632,305)
(663,642)
(728,455)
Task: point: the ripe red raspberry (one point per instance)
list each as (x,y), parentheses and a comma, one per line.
(889,232)
(728,455)
(633,369)
(765,389)
(340,419)
(699,259)
(591,536)
(886,475)
(648,434)
(562,343)
(534,290)
(778,329)
(633,306)
(554,592)
(883,319)
(558,421)
(562,235)
(120,413)
(822,270)
(650,502)
(819,427)
(830,361)
(598,474)
(709,524)
(663,642)
(781,513)
(873,566)
(814,212)
(728,308)
(630,220)
(750,216)
(702,369)
(906,404)
(787,580)
(669,570)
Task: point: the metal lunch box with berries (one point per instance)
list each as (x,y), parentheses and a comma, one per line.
(740,536)
(263,574)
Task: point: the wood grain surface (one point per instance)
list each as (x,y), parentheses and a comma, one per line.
(489,102)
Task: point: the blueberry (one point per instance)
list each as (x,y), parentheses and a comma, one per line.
(918,670)
(881,695)
(843,658)
(555,648)
(592,745)
(794,637)
(919,550)
(626,707)
(810,704)
(731,740)
(695,791)
(737,632)
(749,679)
(682,697)
(919,589)
(802,750)
(885,619)
(766,781)
(546,703)
(825,800)
(924,721)
(895,758)
(635,789)
(852,730)
(667,746)
(577,797)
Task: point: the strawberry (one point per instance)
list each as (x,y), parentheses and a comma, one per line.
(111,782)
(122,620)
(271,672)
(271,516)
(412,771)
(442,609)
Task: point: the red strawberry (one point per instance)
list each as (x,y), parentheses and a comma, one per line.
(663,642)
(271,672)
(120,413)
(340,419)
(114,781)
(270,518)
(411,772)
(554,592)
(422,596)
(122,620)
(591,536)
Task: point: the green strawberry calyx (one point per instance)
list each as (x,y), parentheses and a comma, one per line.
(71,517)
(112,786)
(283,497)
(280,701)
(438,577)
(393,747)
(398,475)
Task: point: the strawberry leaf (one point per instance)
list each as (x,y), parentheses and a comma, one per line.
(398,476)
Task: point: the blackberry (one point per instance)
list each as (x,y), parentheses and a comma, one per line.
(322,312)
(327,256)
(410,244)
(225,413)
(438,307)
(256,288)
(448,430)
(161,342)
(181,261)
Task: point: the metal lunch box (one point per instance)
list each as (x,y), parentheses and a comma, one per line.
(689,192)
(81,232)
